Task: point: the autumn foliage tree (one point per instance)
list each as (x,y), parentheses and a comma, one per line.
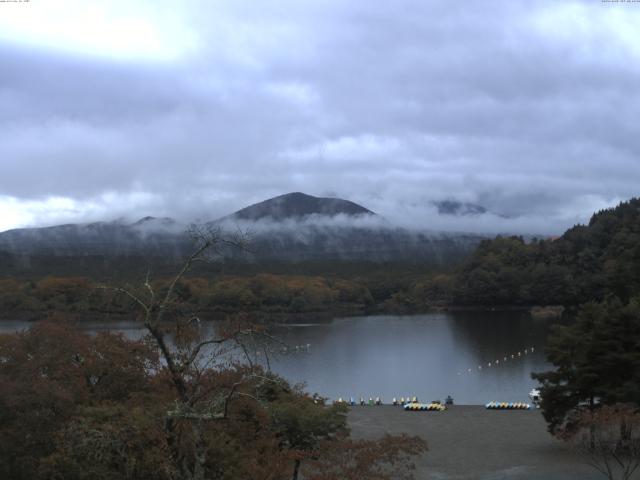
(189,401)
(47,374)
(80,407)
(609,439)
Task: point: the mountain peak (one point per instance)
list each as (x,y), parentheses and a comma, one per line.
(297,205)
(455,207)
(154,221)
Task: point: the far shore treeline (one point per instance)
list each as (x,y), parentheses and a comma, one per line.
(588,262)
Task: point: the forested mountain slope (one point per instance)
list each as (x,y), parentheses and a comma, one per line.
(588,262)
(294,227)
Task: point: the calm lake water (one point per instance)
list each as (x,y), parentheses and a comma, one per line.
(429,356)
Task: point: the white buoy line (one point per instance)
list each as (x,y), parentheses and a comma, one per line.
(500,361)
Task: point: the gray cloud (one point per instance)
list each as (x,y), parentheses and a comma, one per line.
(528,108)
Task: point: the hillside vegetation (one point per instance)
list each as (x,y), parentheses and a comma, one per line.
(588,262)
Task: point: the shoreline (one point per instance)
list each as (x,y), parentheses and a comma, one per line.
(284,317)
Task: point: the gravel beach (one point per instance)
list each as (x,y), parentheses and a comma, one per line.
(470,442)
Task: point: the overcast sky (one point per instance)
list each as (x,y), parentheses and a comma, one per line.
(196,109)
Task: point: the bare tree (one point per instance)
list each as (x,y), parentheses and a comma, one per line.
(189,350)
(609,439)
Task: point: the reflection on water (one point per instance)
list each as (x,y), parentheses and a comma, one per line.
(425,355)
(430,356)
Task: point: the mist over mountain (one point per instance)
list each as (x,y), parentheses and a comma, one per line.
(454,207)
(291,227)
(148,236)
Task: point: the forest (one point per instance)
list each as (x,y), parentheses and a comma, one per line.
(183,402)
(588,262)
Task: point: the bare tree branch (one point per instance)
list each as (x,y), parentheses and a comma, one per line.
(196,350)
(126,292)
(150,288)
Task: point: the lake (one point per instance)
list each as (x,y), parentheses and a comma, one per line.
(432,355)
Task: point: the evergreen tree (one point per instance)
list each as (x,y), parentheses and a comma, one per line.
(597,362)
